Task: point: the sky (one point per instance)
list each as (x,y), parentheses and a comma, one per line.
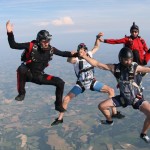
(73,21)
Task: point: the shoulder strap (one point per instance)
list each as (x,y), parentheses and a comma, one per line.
(31,46)
(26,53)
(30,49)
(132,71)
(51,51)
(25,57)
(81,69)
(117,70)
(80,65)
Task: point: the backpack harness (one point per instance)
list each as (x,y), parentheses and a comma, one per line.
(130,91)
(85,72)
(33,54)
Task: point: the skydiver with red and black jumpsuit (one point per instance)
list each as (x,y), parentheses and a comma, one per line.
(35,57)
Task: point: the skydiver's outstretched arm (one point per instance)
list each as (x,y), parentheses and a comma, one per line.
(95,63)
(63,53)
(97,43)
(11,40)
(72,60)
(114,41)
(142,69)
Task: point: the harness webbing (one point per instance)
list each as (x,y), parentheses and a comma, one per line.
(86,69)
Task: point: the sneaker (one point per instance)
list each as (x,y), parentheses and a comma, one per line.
(59,108)
(20,97)
(56,122)
(106,122)
(118,115)
(145,138)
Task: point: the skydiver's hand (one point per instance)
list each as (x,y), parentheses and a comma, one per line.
(100,34)
(9,27)
(101,40)
(74,53)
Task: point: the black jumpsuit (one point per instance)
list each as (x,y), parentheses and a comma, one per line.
(34,71)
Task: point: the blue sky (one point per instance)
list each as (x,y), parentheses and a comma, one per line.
(74,21)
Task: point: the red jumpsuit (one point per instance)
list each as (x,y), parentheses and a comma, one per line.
(137,44)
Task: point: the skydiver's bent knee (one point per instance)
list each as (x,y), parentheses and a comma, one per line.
(111,92)
(106,104)
(108,90)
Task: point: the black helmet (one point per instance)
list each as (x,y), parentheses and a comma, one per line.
(134,26)
(125,53)
(82,45)
(43,35)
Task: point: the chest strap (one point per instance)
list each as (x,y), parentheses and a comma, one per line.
(86,69)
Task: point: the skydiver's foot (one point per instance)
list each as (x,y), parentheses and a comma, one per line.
(118,115)
(145,137)
(106,122)
(20,97)
(56,122)
(59,108)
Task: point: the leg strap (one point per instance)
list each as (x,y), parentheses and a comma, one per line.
(80,84)
(92,84)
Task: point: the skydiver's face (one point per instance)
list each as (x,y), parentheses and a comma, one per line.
(82,49)
(134,33)
(45,43)
(82,52)
(127,61)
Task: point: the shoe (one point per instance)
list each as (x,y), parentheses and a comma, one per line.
(118,115)
(56,122)
(20,97)
(145,138)
(106,122)
(59,108)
